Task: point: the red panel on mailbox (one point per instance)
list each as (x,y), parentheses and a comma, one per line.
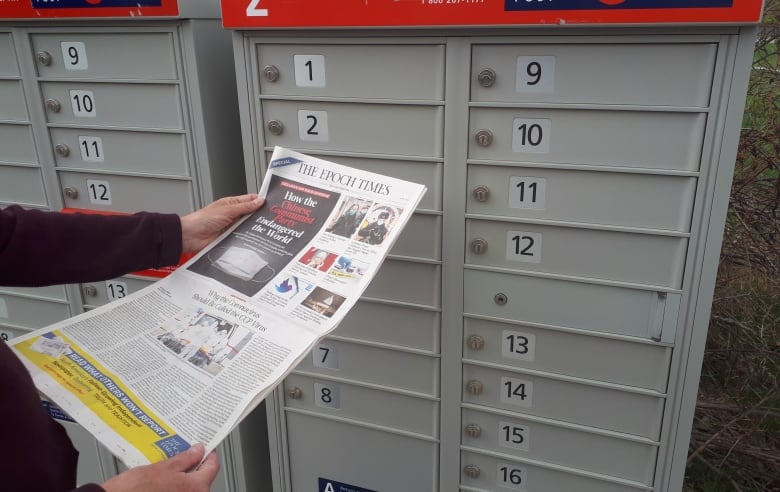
(408,13)
(54,9)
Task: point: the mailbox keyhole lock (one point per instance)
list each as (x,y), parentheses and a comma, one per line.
(271,73)
(479,246)
(53,105)
(44,58)
(472,471)
(295,393)
(473,430)
(474,387)
(481,193)
(484,138)
(90,291)
(476,342)
(487,77)
(62,150)
(71,192)
(500,299)
(276,127)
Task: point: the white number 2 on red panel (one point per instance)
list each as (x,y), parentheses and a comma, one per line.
(254,10)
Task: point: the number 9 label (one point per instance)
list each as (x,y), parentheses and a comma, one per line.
(74,55)
(535,74)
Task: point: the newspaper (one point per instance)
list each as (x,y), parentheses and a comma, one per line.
(183,360)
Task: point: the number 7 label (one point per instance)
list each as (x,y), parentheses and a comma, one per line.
(253,11)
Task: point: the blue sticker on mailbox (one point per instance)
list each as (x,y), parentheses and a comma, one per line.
(58,4)
(326,485)
(611,4)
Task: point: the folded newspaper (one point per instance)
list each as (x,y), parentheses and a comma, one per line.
(183,360)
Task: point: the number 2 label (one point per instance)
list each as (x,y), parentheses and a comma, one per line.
(253,9)
(313,125)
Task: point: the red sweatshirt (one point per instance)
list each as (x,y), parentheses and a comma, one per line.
(43,248)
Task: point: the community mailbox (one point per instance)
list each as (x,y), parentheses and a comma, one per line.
(114,106)
(540,325)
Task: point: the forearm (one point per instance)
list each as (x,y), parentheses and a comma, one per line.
(43,248)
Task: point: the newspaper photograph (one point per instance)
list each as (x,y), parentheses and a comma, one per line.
(181,361)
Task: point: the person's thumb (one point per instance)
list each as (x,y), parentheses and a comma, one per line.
(187,460)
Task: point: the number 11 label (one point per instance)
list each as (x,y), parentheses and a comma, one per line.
(91,148)
(526,192)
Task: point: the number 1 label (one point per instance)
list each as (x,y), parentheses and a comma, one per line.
(309,70)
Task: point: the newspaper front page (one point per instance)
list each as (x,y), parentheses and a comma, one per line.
(181,361)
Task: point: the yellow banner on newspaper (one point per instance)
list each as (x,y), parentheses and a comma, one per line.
(101,391)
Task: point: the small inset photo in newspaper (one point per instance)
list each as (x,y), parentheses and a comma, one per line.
(239,266)
(205,340)
(377,224)
(319,259)
(349,214)
(323,302)
(291,286)
(348,269)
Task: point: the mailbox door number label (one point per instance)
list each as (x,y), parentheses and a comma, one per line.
(524,246)
(535,74)
(511,476)
(99,192)
(531,135)
(83,103)
(517,392)
(74,55)
(518,345)
(309,70)
(116,289)
(514,436)
(526,192)
(313,125)
(327,395)
(91,148)
(325,355)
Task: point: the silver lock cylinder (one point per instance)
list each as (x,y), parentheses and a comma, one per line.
(471,471)
(44,58)
(275,127)
(90,291)
(53,105)
(71,192)
(474,387)
(479,246)
(271,73)
(476,342)
(473,430)
(500,299)
(484,138)
(62,150)
(481,193)
(295,393)
(486,77)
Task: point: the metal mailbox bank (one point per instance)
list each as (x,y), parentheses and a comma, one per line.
(114,106)
(540,325)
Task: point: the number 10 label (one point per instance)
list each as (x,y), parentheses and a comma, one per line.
(531,135)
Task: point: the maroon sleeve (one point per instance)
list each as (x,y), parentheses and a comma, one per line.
(90,487)
(43,248)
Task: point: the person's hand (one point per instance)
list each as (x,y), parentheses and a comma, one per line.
(203,226)
(170,475)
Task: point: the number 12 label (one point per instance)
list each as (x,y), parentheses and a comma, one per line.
(524,246)
(99,192)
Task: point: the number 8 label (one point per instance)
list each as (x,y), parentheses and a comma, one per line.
(327,395)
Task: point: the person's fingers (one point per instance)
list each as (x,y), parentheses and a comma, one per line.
(208,470)
(236,210)
(186,460)
(232,200)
